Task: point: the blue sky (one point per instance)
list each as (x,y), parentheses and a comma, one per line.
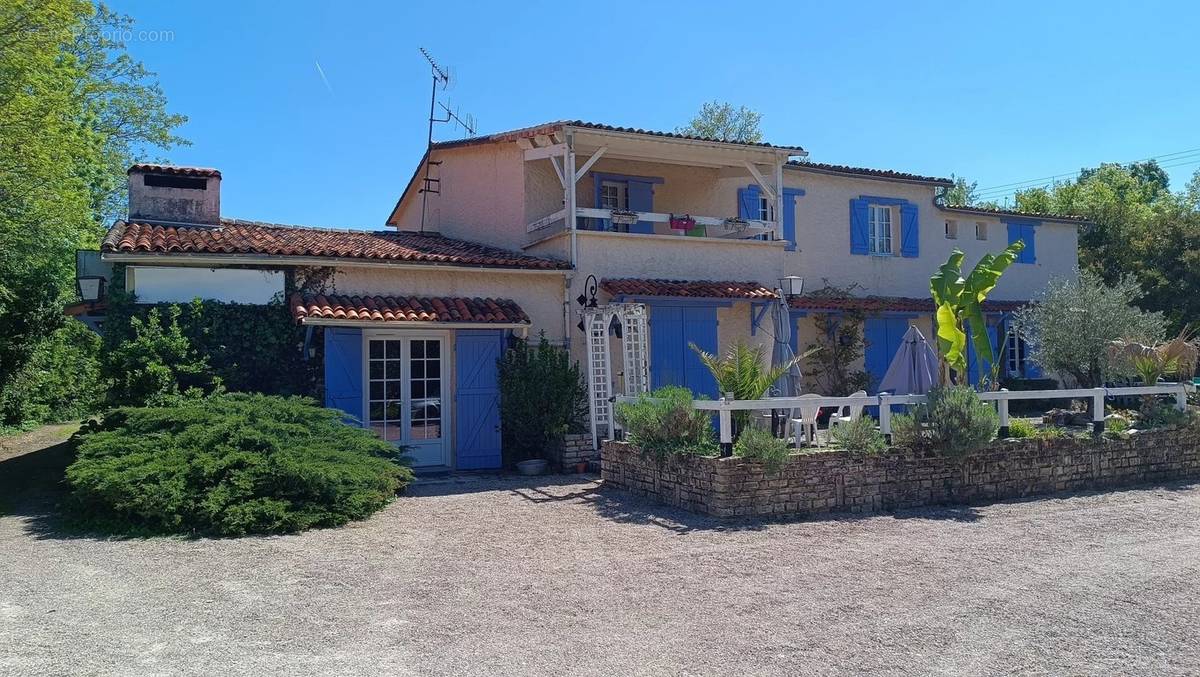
(996,92)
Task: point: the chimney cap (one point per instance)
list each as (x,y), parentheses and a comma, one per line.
(143,167)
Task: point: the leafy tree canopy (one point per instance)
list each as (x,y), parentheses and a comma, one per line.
(720,120)
(75,112)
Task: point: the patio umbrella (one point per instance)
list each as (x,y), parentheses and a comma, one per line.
(788,384)
(914,369)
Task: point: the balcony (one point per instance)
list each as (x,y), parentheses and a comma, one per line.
(656,223)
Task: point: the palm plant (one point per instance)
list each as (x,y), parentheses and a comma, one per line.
(743,372)
(1177,357)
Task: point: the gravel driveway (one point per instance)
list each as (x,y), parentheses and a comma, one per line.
(498,576)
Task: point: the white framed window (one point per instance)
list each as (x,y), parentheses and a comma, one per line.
(1015,353)
(981,230)
(766,208)
(879,223)
(951,230)
(614,195)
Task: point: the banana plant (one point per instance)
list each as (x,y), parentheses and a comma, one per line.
(959,304)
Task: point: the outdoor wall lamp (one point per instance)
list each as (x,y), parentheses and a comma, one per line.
(791,285)
(90,288)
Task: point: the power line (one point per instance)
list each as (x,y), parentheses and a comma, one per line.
(1006,188)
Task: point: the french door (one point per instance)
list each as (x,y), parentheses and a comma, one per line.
(406,393)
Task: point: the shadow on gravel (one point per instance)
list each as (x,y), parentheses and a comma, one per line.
(32,486)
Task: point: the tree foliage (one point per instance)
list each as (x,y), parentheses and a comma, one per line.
(1070,325)
(720,120)
(75,111)
(542,398)
(1140,229)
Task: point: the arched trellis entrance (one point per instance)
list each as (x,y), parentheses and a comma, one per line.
(630,321)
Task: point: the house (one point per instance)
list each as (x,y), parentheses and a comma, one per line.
(499,235)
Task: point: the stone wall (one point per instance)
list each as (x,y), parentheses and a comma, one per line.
(837,481)
(576,447)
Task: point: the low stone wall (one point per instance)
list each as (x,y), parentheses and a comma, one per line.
(576,447)
(837,481)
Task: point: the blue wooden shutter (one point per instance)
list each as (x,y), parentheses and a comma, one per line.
(859,238)
(1030,252)
(910,231)
(477,398)
(748,202)
(1026,233)
(344,370)
(699,327)
(641,199)
(789,217)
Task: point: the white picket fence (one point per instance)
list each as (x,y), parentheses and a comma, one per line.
(726,406)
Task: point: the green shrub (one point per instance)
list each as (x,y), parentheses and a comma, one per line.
(953,422)
(61,381)
(1021,428)
(663,423)
(542,398)
(760,445)
(1116,426)
(230,465)
(859,436)
(1050,433)
(157,364)
(1161,414)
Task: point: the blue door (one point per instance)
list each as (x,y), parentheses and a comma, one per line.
(883,336)
(977,368)
(478,398)
(672,361)
(344,370)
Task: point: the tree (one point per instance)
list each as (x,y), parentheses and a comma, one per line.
(75,111)
(1139,228)
(721,121)
(1071,324)
(959,304)
(961,194)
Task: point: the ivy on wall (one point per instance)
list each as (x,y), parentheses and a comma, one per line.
(251,348)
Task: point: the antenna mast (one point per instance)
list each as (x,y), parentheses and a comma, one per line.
(467,122)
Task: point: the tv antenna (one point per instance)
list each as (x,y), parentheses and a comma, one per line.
(441,79)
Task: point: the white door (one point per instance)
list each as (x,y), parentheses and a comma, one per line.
(406,379)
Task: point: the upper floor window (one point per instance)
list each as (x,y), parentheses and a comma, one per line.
(879,223)
(614,195)
(980,230)
(951,230)
(766,208)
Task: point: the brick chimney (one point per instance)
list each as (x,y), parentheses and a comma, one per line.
(174,195)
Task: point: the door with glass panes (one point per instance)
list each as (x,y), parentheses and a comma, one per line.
(405,393)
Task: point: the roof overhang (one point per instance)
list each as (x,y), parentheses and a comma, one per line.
(266,260)
(409,324)
(622,145)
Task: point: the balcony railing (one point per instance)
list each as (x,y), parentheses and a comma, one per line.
(590,218)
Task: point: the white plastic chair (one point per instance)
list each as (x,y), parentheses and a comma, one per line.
(854,411)
(806,425)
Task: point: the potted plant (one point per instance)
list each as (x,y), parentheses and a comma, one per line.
(581,467)
(623,217)
(685,222)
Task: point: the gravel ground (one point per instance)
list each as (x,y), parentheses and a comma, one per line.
(505,576)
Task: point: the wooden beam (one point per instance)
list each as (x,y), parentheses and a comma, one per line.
(542,140)
(544,152)
(546,220)
(590,161)
(562,178)
(524,144)
(762,182)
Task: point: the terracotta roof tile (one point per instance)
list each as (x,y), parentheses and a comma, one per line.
(172,169)
(882,303)
(864,171)
(689,289)
(1013,212)
(406,309)
(548,127)
(251,238)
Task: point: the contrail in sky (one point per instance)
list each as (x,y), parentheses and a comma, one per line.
(321,72)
